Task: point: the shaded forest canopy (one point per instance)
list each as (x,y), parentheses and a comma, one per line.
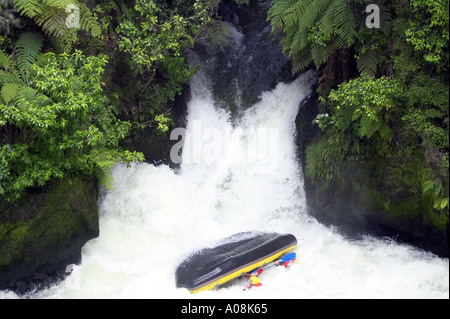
(77,77)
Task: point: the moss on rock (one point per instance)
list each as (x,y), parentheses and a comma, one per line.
(371,197)
(381,199)
(44,233)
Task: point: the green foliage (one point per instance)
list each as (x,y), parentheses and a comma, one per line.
(433,188)
(29,47)
(400,93)
(60,124)
(435,136)
(428,31)
(104,10)
(359,114)
(321,159)
(56,118)
(162,123)
(427,97)
(154,35)
(366,95)
(14,77)
(420,55)
(313,31)
(9,72)
(53,16)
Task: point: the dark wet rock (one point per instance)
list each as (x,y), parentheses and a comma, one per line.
(249,63)
(44,234)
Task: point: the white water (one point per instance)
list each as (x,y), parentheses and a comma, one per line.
(154,218)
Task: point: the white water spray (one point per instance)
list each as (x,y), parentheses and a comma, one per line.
(154,218)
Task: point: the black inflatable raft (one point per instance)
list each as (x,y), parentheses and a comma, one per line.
(238,254)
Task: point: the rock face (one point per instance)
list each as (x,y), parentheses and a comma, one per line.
(373,198)
(249,62)
(156,145)
(45,234)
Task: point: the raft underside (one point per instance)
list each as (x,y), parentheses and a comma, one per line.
(244,269)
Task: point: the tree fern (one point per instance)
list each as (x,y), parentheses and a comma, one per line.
(53,21)
(321,53)
(327,22)
(322,27)
(296,43)
(276,14)
(8,70)
(15,74)
(28,47)
(9,92)
(29,8)
(52,15)
(345,22)
(27,93)
(311,14)
(367,62)
(301,61)
(368,126)
(297,11)
(88,22)
(6,62)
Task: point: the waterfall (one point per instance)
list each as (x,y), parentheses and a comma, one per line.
(237,174)
(240,175)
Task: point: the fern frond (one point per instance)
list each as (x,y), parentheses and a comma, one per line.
(6,62)
(321,54)
(386,132)
(29,47)
(327,21)
(367,62)
(345,22)
(27,93)
(9,92)
(52,15)
(276,14)
(368,126)
(61,4)
(297,11)
(385,20)
(347,114)
(53,21)
(312,14)
(6,77)
(88,22)
(29,8)
(65,42)
(301,61)
(10,73)
(297,42)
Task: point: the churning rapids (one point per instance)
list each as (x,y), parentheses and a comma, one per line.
(238,176)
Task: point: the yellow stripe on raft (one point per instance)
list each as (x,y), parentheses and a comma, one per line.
(245,269)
